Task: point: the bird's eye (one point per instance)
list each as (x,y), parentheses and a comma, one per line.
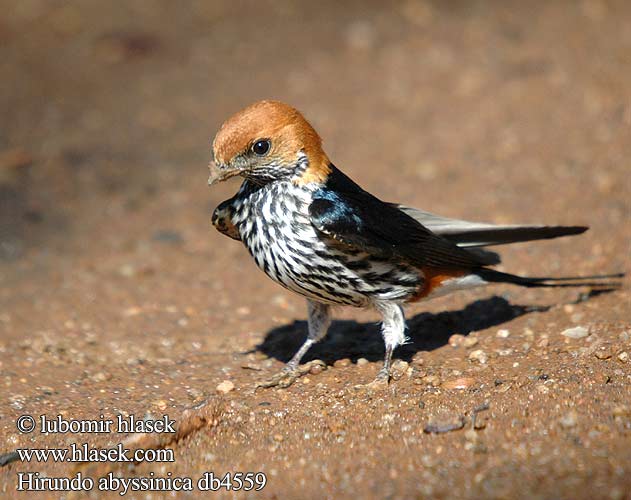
(261,148)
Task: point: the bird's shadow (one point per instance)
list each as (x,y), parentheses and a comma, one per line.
(426,331)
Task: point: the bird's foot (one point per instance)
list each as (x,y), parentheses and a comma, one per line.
(289,374)
(381,382)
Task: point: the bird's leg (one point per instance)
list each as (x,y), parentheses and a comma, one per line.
(319,322)
(393,331)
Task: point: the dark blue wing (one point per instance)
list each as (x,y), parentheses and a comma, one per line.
(343,211)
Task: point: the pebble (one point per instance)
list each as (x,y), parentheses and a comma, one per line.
(603,353)
(456,340)
(503,333)
(479,355)
(362,362)
(341,363)
(100,377)
(17,401)
(161,404)
(418,359)
(570,419)
(432,380)
(400,365)
(317,367)
(459,383)
(444,423)
(623,357)
(469,342)
(578,332)
(225,387)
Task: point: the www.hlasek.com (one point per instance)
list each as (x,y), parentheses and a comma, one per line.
(33,481)
(84,453)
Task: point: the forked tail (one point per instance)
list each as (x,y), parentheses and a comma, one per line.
(600,281)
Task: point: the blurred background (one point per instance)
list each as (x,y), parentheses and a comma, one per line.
(117,295)
(493,110)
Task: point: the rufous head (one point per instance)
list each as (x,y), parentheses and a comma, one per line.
(268,141)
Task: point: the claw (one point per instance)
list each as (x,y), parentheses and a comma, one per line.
(380,383)
(289,374)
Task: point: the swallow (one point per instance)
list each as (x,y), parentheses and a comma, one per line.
(314,231)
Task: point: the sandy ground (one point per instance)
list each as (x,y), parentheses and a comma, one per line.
(117,296)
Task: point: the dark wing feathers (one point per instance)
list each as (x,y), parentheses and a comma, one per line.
(479,234)
(345,212)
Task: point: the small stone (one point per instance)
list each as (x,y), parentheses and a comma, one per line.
(475,447)
(469,342)
(505,352)
(100,377)
(544,342)
(625,336)
(225,387)
(444,423)
(418,359)
(502,388)
(623,357)
(459,383)
(17,401)
(317,368)
(456,340)
(479,355)
(503,333)
(341,363)
(432,380)
(362,362)
(400,365)
(603,353)
(570,419)
(578,332)
(161,404)
(278,437)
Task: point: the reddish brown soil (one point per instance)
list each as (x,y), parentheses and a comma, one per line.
(116,295)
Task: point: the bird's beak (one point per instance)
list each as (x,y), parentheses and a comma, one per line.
(220,174)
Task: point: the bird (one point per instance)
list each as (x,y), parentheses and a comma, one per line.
(317,233)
